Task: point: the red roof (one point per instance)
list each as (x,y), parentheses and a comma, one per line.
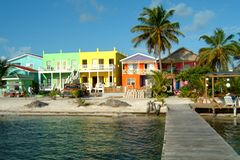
(25,68)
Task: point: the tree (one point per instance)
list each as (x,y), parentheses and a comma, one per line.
(160,83)
(217,54)
(4,65)
(195,77)
(157,30)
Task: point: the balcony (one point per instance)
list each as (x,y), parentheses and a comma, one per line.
(97,67)
(137,71)
(55,69)
(174,70)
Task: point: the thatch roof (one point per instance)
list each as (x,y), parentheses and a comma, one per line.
(180,55)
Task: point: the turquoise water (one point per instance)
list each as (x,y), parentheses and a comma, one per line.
(228,128)
(74,137)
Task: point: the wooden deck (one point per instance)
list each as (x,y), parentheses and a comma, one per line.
(188,137)
(213,108)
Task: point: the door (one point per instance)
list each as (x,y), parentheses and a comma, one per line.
(94,63)
(94,81)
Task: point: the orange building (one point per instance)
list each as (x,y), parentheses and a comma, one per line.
(136,68)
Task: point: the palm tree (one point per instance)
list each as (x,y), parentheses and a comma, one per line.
(157,30)
(160,83)
(218,54)
(4,65)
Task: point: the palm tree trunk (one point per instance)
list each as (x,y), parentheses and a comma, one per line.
(160,62)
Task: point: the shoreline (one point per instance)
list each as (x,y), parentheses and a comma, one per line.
(99,114)
(69,107)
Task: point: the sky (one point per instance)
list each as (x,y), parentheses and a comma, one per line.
(31,26)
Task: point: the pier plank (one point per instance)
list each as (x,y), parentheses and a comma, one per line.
(189,137)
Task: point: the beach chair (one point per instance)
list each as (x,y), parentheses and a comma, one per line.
(217,102)
(99,87)
(89,87)
(228,101)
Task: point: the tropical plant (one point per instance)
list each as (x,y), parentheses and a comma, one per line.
(82,102)
(53,94)
(195,77)
(217,54)
(76,93)
(4,66)
(160,83)
(157,30)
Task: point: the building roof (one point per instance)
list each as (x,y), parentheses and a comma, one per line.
(181,55)
(223,74)
(24,55)
(25,68)
(138,57)
(17,77)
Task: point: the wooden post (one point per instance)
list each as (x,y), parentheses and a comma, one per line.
(206,87)
(212,87)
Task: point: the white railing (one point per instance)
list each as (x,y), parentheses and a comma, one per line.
(80,67)
(97,67)
(58,69)
(137,71)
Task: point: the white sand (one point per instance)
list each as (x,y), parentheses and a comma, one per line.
(69,106)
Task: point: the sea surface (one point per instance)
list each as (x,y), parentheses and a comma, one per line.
(228,128)
(75,137)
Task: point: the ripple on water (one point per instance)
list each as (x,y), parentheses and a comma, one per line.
(228,128)
(66,137)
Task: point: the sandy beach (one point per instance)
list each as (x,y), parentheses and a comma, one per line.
(69,106)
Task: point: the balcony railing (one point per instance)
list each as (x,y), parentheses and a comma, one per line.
(137,71)
(49,68)
(80,67)
(97,67)
(174,70)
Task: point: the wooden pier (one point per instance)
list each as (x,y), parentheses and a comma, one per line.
(188,137)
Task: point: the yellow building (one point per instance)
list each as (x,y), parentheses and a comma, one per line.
(101,67)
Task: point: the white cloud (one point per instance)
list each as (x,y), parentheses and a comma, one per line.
(155,3)
(3,40)
(232,29)
(182,10)
(13,51)
(88,10)
(97,6)
(3,57)
(200,20)
(86,17)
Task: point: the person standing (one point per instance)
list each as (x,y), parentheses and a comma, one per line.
(30,91)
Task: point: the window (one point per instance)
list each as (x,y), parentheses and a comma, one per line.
(131,81)
(186,66)
(48,63)
(29,65)
(84,63)
(150,66)
(48,82)
(101,63)
(94,63)
(132,66)
(110,79)
(101,79)
(58,65)
(73,63)
(84,79)
(111,61)
(64,65)
(146,66)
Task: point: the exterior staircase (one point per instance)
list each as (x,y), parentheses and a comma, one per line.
(73,77)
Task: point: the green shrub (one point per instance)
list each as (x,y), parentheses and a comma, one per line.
(185,91)
(82,102)
(53,94)
(77,93)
